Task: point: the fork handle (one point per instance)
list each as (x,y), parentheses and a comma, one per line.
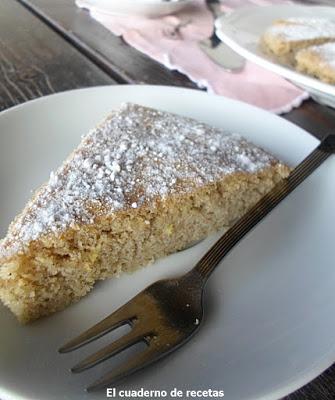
(247,222)
(214,7)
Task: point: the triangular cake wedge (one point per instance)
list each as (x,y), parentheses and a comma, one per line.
(318,61)
(141,185)
(286,36)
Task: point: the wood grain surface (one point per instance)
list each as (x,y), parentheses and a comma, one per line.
(128,65)
(35,61)
(47,46)
(110,52)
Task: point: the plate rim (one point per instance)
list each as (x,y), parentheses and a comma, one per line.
(328,359)
(147,8)
(241,103)
(265,62)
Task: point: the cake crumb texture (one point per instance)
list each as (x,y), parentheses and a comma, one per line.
(318,61)
(141,185)
(286,36)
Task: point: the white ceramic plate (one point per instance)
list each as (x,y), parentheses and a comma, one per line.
(242,29)
(146,8)
(270,320)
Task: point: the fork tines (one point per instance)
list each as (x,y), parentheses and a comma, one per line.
(142,314)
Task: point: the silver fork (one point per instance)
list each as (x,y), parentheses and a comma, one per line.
(218,51)
(168,313)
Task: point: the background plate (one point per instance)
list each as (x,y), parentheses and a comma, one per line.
(147,8)
(270,320)
(242,29)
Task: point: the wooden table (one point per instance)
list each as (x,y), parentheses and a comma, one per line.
(47,46)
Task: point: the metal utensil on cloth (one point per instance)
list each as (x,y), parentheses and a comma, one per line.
(218,51)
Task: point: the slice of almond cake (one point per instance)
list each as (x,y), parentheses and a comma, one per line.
(286,36)
(318,61)
(141,185)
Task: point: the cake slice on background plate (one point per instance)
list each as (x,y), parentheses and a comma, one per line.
(286,36)
(141,185)
(318,61)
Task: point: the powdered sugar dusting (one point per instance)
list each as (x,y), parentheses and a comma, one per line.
(295,29)
(326,52)
(136,155)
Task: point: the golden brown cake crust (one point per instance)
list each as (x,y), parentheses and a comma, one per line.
(140,186)
(286,36)
(318,61)
(137,155)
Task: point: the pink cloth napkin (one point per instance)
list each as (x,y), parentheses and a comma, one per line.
(181,52)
